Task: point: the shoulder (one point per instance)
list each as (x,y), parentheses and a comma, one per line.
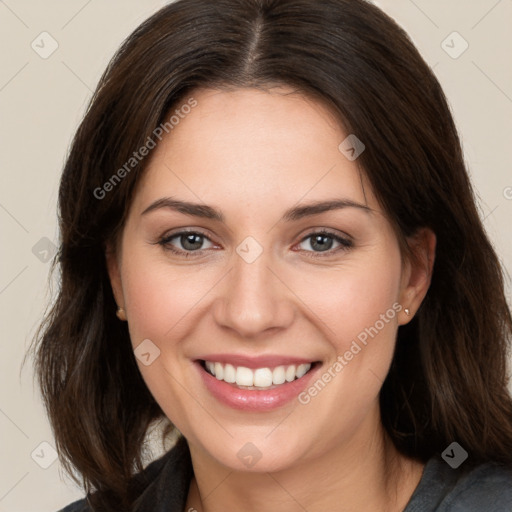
(486,487)
(166,481)
(443,489)
(77,506)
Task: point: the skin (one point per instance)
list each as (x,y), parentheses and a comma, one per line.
(254,154)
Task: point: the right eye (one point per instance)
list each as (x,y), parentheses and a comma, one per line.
(189,241)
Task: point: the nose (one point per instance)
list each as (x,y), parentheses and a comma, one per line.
(253,299)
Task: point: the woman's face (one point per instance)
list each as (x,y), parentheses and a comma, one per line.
(268,281)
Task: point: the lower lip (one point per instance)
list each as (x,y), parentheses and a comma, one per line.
(253,400)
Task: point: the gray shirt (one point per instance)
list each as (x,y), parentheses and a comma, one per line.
(485,488)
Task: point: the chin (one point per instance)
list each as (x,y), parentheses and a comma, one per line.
(256,453)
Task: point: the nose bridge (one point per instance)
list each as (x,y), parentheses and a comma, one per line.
(253,300)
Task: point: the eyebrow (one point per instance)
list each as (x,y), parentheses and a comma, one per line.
(293,214)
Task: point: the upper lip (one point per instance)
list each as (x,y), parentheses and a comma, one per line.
(265,361)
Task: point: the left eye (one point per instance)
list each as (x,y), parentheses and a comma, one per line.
(324,241)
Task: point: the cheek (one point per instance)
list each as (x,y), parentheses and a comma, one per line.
(162,304)
(352,298)
(359,309)
(368,305)
(160,297)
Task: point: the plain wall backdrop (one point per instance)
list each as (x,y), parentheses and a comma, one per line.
(52,55)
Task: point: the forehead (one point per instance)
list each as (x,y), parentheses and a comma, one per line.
(255,147)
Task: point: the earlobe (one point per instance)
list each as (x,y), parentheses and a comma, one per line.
(121,314)
(420,266)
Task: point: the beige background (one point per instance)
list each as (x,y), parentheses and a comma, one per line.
(41,102)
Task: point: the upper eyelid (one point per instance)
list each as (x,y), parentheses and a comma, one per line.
(167,237)
(195,231)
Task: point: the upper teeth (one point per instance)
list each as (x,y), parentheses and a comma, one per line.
(260,377)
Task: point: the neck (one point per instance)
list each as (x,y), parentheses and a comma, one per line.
(366,473)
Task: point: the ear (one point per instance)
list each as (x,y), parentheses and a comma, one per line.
(417,273)
(113,268)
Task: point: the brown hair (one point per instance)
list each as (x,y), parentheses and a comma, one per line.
(448,379)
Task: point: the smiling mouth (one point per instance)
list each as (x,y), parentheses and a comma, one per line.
(258,378)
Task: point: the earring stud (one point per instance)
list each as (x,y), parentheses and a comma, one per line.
(407,311)
(121,314)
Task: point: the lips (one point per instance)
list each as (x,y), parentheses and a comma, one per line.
(252,385)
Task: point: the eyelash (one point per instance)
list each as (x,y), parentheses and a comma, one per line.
(345,244)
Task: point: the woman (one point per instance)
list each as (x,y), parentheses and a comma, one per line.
(269,240)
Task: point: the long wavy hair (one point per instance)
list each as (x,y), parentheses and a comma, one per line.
(448,378)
